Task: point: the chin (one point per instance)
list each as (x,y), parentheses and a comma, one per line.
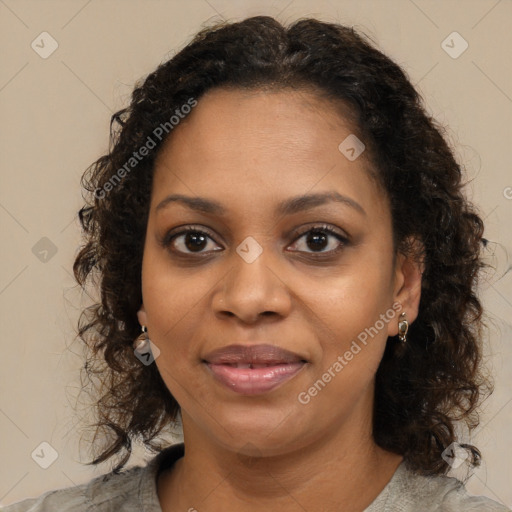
(256,434)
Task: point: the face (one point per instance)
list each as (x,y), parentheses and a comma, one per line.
(315,278)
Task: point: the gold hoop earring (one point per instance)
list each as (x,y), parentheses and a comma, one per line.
(403,327)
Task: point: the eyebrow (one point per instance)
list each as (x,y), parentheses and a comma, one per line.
(287,207)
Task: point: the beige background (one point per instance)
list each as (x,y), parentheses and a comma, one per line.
(55,116)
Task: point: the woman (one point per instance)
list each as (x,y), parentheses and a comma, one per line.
(286,226)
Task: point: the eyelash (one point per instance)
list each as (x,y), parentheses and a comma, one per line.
(170,237)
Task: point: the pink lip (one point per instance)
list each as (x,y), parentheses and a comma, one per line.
(253,369)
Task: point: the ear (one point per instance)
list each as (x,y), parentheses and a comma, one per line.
(141,315)
(408,275)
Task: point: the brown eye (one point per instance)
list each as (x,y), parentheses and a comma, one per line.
(319,238)
(188,241)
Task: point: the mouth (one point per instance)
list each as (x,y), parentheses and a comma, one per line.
(253,369)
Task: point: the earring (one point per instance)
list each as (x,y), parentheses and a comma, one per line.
(142,340)
(403,327)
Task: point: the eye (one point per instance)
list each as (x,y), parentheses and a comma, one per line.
(318,239)
(190,240)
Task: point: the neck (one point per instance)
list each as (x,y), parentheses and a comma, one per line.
(344,471)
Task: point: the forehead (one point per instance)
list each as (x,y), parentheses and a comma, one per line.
(249,146)
(290,120)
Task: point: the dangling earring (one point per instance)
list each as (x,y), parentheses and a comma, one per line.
(403,327)
(142,340)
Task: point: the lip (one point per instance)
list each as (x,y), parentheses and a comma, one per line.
(253,369)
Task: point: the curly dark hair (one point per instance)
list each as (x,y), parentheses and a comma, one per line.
(423,390)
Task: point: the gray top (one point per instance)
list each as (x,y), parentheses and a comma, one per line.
(134,490)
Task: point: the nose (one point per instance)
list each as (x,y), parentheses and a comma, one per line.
(252,290)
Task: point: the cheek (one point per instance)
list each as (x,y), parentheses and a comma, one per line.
(169,293)
(351,349)
(173,307)
(355,298)
(352,320)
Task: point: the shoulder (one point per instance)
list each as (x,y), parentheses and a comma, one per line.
(131,490)
(456,498)
(441,493)
(408,491)
(101,493)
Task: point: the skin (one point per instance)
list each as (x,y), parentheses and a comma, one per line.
(250,151)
